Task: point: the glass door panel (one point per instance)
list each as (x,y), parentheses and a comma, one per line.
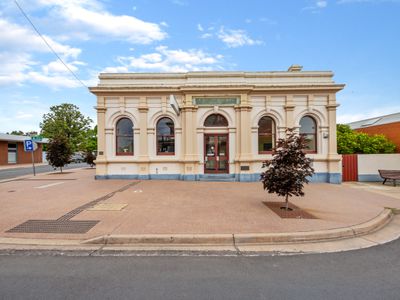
(222,153)
(216,153)
(210,155)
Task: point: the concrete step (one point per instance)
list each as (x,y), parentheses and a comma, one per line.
(217,177)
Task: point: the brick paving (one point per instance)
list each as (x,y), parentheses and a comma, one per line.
(174,207)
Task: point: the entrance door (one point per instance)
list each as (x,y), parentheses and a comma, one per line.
(216,154)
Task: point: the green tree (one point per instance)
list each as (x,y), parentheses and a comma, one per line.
(288,169)
(66,120)
(59,152)
(349,142)
(89,158)
(90,142)
(17,132)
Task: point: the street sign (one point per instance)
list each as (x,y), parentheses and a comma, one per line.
(28,146)
(37,138)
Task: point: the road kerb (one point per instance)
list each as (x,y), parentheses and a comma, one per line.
(163,239)
(249,238)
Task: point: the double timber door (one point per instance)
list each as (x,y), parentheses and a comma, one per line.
(216,156)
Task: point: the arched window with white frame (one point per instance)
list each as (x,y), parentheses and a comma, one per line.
(308,129)
(165,137)
(266,135)
(124,137)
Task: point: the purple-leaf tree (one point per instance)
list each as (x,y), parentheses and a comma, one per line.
(289,167)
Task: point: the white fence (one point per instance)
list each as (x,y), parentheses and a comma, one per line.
(369,164)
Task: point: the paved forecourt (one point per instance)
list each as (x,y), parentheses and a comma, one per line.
(73,206)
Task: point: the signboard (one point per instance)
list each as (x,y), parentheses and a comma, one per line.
(174,104)
(37,138)
(216,101)
(28,146)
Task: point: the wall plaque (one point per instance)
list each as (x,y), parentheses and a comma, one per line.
(216,101)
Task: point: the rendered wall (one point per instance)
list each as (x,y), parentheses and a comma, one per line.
(142,98)
(369,164)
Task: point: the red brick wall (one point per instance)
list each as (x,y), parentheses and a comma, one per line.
(3,153)
(391,131)
(22,156)
(26,157)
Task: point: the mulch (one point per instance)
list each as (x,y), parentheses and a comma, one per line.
(295,213)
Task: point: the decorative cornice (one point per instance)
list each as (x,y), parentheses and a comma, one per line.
(100,109)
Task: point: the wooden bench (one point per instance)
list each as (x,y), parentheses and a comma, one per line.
(390,174)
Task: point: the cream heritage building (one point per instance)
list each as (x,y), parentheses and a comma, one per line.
(212,125)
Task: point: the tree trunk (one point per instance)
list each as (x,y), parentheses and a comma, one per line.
(61,169)
(287,202)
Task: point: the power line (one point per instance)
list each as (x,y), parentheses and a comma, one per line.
(48,45)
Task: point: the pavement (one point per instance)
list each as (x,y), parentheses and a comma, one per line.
(16,170)
(74,212)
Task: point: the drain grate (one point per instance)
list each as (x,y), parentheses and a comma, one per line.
(54,226)
(64,224)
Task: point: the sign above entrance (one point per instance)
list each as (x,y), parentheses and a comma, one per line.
(216,101)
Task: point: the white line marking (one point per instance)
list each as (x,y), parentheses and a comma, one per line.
(48,185)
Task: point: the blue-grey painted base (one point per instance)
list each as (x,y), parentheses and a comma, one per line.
(335,178)
(369,177)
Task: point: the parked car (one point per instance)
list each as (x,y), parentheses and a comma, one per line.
(77,157)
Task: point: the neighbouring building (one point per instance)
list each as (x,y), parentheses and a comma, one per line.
(219,125)
(388,125)
(12,150)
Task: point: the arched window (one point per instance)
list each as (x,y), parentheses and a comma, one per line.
(308,129)
(266,135)
(165,137)
(124,137)
(215,120)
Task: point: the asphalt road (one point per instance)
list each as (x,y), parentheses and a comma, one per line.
(372,273)
(15,172)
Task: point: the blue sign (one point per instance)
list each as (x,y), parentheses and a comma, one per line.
(28,146)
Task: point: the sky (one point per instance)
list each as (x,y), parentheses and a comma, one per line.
(359,40)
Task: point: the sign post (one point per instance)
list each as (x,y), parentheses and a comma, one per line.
(30,146)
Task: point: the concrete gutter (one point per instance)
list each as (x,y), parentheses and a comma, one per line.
(247,238)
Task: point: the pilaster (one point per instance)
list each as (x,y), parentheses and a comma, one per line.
(143,147)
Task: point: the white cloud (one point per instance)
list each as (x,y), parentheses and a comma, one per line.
(168,60)
(57,66)
(200,28)
(17,63)
(18,38)
(316,6)
(236,38)
(206,35)
(91,17)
